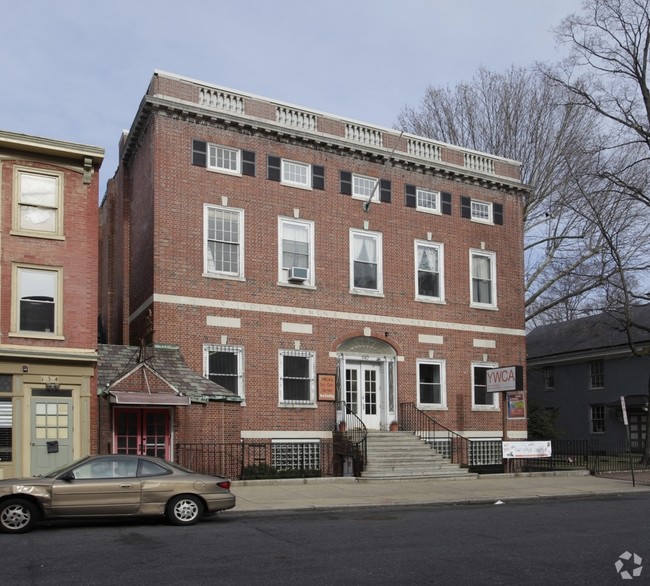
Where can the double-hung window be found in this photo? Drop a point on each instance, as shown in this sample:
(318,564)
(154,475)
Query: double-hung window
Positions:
(429,271)
(37,309)
(298,174)
(366,273)
(481,211)
(296,377)
(223,241)
(597,418)
(483,278)
(596,374)
(296,251)
(428,201)
(431,384)
(38,209)
(224,365)
(549,378)
(224,159)
(363,187)
(481,399)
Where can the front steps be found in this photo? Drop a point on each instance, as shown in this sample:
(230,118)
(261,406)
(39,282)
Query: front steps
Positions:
(401,455)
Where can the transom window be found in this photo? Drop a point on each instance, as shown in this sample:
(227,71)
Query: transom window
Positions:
(296,251)
(294,173)
(38,203)
(223,228)
(224,365)
(483,278)
(366,261)
(38,294)
(363,187)
(296,377)
(428,201)
(429,276)
(224,159)
(481,399)
(431,384)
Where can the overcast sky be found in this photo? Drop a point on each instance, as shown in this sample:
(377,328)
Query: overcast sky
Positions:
(76,70)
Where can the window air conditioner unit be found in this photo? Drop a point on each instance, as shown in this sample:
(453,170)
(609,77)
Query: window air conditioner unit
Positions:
(298,274)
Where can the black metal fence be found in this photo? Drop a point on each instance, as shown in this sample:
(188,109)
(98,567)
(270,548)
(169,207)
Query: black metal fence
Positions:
(255,459)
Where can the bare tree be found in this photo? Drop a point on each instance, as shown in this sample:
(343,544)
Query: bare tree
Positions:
(528,117)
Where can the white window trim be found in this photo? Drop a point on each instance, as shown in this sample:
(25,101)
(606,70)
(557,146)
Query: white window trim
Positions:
(223,274)
(57,234)
(57,334)
(375,193)
(311,356)
(307,166)
(380,270)
(283,273)
(237,350)
(217,169)
(437,211)
(495,396)
(480,220)
(591,419)
(443,385)
(493,279)
(441,266)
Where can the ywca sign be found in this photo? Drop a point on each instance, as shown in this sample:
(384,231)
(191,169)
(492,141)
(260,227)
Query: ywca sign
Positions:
(508,378)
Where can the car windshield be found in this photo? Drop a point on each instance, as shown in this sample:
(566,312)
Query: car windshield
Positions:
(54,473)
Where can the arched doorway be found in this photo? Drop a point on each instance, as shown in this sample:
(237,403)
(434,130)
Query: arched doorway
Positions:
(367,380)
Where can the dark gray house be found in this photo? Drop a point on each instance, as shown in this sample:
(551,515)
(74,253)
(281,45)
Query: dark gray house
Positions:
(580,369)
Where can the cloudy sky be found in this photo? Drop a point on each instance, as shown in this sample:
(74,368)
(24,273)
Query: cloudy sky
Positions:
(76,70)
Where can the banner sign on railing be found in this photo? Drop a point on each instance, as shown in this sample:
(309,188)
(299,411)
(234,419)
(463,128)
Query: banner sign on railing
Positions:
(524,449)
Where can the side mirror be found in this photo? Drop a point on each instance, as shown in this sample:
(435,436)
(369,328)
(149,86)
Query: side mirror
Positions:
(69,475)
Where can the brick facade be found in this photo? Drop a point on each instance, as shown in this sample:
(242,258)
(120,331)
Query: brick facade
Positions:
(153,257)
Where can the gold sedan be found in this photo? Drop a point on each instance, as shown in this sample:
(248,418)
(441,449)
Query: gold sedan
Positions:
(112,486)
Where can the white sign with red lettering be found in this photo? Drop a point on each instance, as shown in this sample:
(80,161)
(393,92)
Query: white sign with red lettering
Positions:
(508,378)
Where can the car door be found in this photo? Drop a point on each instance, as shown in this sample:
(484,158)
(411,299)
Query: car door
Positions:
(104,485)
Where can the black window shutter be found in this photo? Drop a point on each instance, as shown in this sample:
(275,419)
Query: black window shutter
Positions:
(384,191)
(248,163)
(465,207)
(199,153)
(317,177)
(274,168)
(346,183)
(497,212)
(446,203)
(410,196)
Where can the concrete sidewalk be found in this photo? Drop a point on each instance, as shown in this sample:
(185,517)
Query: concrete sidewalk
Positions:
(337,493)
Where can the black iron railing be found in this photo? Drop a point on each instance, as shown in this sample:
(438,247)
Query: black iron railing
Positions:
(447,443)
(350,437)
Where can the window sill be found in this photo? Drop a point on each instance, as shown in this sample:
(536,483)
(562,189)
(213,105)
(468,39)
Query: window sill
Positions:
(43,235)
(431,300)
(307,286)
(35,335)
(431,407)
(297,185)
(488,408)
(366,293)
(224,171)
(297,405)
(484,307)
(225,277)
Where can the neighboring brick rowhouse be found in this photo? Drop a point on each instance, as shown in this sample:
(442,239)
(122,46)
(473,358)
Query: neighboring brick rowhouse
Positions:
(167,182)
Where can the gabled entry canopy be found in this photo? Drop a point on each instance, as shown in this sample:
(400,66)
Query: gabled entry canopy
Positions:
(161,377)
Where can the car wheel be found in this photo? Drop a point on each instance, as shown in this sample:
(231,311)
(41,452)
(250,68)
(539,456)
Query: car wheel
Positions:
(17,516)
(184,509)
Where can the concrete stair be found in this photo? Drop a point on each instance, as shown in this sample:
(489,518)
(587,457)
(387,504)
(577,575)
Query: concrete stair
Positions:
(401,455)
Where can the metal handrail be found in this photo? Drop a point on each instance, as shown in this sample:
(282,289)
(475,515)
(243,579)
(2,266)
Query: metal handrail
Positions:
(352,433)
(448,443)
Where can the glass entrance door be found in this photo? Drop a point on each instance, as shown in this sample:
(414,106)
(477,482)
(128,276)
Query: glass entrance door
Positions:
(142,432)
(363,392)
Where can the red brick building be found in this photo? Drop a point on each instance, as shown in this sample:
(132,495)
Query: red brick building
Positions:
(297,257)
(48,302)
